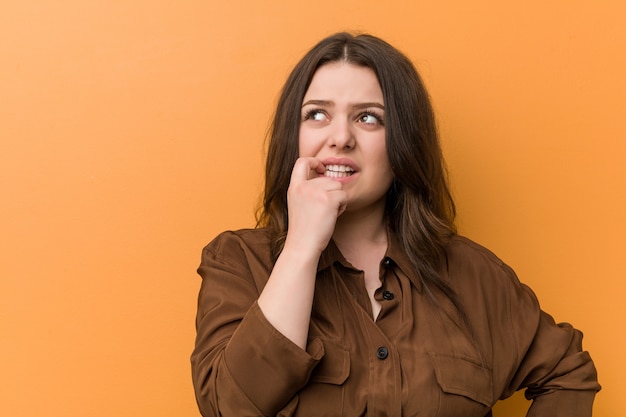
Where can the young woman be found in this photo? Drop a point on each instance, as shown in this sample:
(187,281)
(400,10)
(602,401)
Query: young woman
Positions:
(355,296)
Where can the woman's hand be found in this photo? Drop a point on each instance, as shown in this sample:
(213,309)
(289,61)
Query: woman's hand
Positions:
(314,202)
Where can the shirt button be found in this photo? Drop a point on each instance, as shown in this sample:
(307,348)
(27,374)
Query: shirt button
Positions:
(388,295)
(382,352)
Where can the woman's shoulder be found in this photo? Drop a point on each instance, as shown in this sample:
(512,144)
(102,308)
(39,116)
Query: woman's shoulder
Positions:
(464,247)
(249,235)
(483,280)
(473,259)
(244,252)
(242,240)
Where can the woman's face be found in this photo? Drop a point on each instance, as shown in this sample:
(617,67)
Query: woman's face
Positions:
(343,117)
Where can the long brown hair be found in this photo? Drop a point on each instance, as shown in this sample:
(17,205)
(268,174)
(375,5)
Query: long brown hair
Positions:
(419,207)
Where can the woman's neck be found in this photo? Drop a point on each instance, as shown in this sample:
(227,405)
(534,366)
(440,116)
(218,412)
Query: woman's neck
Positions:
(361,232)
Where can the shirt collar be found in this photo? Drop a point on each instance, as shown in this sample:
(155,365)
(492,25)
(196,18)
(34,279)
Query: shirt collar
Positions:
(395,253)
(330,255)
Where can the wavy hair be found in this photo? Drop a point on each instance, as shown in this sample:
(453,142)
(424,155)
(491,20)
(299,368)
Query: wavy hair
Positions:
(419,206)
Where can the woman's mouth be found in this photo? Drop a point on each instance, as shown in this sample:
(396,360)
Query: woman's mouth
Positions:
(338,171)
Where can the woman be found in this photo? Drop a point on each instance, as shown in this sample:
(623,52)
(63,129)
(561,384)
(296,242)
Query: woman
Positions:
(355,296)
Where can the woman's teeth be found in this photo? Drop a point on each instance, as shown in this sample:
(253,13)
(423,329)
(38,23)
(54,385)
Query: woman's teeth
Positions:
(338,171)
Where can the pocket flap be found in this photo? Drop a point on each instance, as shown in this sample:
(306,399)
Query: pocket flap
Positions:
(334,367)
(463,376)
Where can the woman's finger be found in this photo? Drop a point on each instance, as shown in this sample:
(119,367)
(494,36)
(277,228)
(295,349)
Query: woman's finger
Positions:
(306,169)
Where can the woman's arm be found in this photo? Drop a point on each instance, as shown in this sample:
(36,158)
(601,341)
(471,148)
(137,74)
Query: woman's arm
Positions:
(314,203)
(251,355)
(558,375)
(242,365)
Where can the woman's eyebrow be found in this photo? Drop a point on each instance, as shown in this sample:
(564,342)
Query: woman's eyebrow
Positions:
(370,104)
(318,103)
(327,103)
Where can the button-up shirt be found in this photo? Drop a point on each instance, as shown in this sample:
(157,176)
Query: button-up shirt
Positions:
(419,357)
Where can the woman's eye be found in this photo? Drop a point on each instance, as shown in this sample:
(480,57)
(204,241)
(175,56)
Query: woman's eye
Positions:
(319,116)
(369,119)
(316,115)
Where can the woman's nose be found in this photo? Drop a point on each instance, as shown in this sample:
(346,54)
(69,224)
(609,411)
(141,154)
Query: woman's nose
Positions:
(341,134)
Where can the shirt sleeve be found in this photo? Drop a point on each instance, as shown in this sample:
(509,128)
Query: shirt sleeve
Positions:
(241,365)
(557,374)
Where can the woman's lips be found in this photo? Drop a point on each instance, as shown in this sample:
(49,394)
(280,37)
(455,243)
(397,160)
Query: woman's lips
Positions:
(338,171)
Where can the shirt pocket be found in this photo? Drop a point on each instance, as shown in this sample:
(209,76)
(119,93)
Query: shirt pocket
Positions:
(325,394)
(334,367)
(467,385)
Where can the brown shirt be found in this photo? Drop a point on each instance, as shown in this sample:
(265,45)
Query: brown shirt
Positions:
(416,359)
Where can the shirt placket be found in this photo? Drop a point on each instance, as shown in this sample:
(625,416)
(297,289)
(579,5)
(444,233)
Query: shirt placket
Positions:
(384,396)
(385,376)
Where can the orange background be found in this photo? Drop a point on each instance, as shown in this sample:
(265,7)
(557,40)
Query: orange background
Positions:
(131,132)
